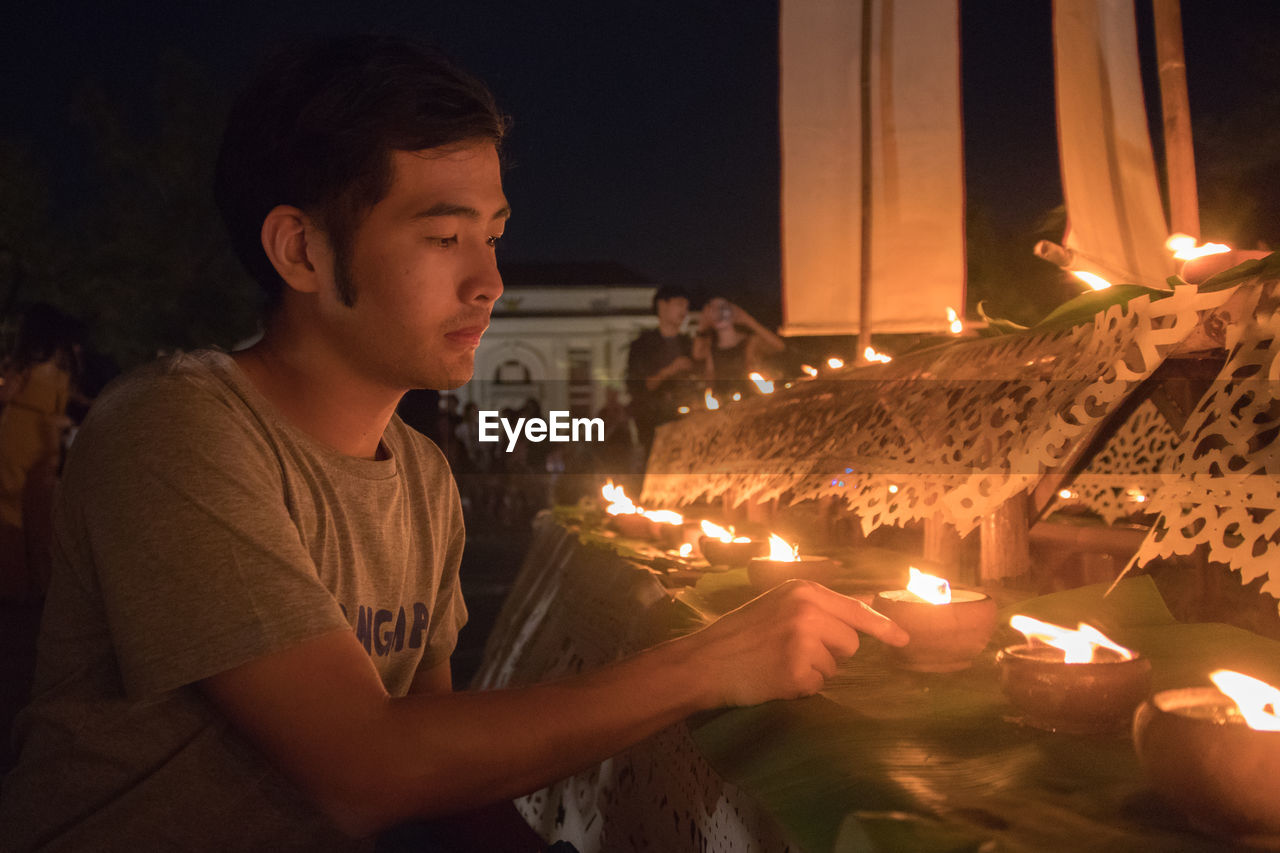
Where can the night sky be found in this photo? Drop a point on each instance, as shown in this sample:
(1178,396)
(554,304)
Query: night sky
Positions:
(644,133)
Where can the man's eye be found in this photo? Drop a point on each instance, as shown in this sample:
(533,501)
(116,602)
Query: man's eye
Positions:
(444,242)
(493,241)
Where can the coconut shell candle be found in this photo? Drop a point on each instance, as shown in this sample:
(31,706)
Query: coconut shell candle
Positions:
(721,546)
(784,562)
(1215,753)
(1072,681)
(948,627)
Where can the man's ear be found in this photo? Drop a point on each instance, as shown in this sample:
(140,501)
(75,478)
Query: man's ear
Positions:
(296,248)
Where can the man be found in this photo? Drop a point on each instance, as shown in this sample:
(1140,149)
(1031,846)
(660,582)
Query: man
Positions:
(246,643)
(657,363)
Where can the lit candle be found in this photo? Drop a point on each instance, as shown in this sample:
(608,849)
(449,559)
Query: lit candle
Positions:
(1215,752)
(948,627)
(1072,680)
(722,546)
(784,562)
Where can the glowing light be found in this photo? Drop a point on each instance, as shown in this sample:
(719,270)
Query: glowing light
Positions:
(1094,280)
(782,551)
(1184,247)
(684,410)
(953,321)
(765,385)
(619,503)
(1066,494)
(835,363)
(737,395)
(1259,702)
(1136,495)
(1079,646)
(930,588)
(663,516)
(809,370)
(686,549)
(715,531)
(712,402)
(893,490)
(870,354)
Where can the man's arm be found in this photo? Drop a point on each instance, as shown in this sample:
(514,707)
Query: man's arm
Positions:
(320,712)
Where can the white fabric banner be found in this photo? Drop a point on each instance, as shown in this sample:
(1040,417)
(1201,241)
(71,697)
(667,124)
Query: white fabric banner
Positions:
(917,204)
(1115,222)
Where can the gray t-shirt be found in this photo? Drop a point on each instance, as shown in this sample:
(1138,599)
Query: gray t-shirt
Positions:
(195,529)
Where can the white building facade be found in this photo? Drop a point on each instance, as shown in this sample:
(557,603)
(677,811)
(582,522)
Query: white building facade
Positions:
(561,338)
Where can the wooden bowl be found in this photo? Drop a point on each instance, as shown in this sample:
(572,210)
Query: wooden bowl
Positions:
(944,637)
(1073,697)
(765,573)
(731,553)
(1198,753)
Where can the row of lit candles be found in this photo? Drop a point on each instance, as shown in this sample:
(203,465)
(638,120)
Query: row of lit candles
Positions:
(1075,680)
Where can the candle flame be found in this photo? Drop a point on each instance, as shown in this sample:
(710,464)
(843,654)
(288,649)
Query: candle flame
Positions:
(712,402)
(619,503)
(686,549)
(1094,280)
(1079,645)
(953,321)
(870,354)
(737,395)
(663,516)
(765,385)
(930,588)
(684,410)
(715,531)
(1184,247)
(782,551)
(1258,701)
(835,363)
(809,370)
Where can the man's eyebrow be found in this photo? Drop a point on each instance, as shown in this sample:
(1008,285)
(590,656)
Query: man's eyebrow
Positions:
(446,208)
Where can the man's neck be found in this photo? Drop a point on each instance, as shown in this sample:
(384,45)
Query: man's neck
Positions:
(668,330)
(327,401)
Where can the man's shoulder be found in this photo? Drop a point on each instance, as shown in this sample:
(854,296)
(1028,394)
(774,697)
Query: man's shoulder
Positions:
(169,386)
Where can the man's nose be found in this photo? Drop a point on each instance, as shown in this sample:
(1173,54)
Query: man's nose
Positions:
(484,285)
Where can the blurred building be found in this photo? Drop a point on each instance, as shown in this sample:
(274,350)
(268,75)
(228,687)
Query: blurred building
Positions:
(559,335)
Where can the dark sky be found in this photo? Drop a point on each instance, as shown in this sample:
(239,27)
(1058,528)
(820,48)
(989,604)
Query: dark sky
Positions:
(645,133)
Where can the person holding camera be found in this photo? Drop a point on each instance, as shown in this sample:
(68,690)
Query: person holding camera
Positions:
(731,344)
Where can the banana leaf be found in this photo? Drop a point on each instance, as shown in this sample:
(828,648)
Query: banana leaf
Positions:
(1268,267)
(1082,308)
(889,760)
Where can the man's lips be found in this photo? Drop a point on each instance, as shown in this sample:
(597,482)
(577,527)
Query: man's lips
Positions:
(469,336)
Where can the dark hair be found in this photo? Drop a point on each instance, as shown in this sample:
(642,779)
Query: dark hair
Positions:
(668,292)
(316,128)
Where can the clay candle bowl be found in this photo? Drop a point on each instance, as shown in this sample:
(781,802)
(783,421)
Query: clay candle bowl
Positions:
(668,526)
(785,563)
(948,628)
(722,547)
(634,525)
(1080,682)
(1201,752)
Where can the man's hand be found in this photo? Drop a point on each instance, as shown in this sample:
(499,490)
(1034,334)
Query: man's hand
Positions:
(783,644)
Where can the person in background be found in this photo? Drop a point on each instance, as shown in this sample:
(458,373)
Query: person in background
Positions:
(36,389)
(730,344)
(659,364)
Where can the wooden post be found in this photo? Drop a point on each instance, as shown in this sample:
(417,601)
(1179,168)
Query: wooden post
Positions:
(1006,547)
(864,256)
(1179,154)
(941,544)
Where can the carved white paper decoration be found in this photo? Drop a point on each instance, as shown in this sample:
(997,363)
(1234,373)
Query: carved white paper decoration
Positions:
(1227,496)
(953,432)
(1125,475)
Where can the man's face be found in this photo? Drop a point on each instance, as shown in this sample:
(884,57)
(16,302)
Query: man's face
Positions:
(673,311)
(423,269)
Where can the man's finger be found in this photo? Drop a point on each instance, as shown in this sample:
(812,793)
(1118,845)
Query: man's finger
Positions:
(862,617)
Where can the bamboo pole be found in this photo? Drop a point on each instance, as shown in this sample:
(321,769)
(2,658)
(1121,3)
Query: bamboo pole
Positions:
(864,256)
(1175,107)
